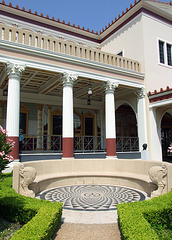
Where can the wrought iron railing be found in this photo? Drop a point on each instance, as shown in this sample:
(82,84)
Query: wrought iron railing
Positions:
(81,143)
(127,144)
(89,144)
(42,143)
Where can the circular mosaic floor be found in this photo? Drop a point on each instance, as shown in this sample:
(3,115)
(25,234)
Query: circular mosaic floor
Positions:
(92,197)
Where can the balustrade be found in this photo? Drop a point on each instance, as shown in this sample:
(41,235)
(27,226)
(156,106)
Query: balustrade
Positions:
(38,40)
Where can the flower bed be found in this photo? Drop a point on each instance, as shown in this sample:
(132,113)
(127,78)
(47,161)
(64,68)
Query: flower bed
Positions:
(6,146)
(40,218)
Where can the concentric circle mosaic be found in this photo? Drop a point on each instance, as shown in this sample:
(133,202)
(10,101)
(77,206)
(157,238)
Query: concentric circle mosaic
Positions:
(92,197)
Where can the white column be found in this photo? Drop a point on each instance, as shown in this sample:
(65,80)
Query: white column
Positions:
(110,119)
(68,132)
(141,118)
(14,72)
(156,148)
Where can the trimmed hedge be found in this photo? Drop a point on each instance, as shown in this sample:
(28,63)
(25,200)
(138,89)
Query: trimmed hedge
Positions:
(40,217)
(135,218)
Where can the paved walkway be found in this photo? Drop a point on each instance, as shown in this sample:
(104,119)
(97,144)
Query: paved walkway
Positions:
(70,231)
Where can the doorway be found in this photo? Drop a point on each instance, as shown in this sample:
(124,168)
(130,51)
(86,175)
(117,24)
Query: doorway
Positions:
(166,137)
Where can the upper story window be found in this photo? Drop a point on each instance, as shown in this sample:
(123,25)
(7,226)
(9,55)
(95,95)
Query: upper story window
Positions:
(165,53)
(169,57)
(120,53)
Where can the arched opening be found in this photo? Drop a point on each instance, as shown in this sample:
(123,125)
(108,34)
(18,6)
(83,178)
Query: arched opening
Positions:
(126,129)
(166,137)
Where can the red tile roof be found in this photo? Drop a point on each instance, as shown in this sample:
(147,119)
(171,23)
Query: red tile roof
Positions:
(160,95)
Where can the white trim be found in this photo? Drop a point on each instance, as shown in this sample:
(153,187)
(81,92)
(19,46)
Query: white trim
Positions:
(160,103)
(156,19)
(81,73)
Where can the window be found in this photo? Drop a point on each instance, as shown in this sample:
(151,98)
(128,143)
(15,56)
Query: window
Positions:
(165,53)
(57,125)
(169,58)
(23,120)
(161,51)
(120,53)
(89,126)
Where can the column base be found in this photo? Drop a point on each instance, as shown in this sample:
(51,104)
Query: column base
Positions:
(67,148)
(111,147)
(15,149)
(112,157)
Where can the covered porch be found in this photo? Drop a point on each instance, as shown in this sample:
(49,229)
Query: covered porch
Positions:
(99,105)
(67,102)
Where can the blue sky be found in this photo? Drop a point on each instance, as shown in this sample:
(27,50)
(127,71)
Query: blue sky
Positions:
(92,14)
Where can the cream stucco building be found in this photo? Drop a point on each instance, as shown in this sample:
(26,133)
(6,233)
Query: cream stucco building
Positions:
(77,92)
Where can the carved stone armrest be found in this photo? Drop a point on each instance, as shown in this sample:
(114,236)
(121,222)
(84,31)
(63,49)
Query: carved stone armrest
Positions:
(158,175)
(27,176)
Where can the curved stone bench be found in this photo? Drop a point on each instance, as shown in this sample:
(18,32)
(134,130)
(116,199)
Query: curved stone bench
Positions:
(63,172)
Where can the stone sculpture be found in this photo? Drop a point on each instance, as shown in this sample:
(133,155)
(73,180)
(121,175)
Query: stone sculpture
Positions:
(27,176)
(158,176)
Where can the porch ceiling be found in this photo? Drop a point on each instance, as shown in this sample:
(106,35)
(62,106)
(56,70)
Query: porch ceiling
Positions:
(49,83)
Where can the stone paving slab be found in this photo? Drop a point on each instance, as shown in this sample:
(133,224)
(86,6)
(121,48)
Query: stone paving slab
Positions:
(70,231)
(86,217)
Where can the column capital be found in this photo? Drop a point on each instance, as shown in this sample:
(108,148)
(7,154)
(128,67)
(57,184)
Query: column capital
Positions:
(15,70)
(140,93)
(68,78)
(110,86)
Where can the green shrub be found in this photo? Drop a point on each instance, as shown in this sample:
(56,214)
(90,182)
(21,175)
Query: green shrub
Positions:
(161,222)
(136,218)
(40,217)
